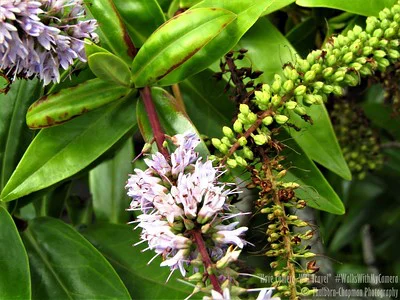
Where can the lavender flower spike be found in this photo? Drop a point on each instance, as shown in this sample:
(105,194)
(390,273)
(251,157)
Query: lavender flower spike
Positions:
(37,38)
(179,197)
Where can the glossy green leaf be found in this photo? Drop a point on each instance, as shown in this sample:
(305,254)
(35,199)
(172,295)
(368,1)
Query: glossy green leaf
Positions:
(206,103)
(14,134)
(277,5)
(107,186)
(191,41)
(319,141)
(361,7)
(141,18)
(176,45)
(71,102)
(52,203)
(381,116)
(15,281)
(172,119)
(64,265)
(111,68)
(142,280)
(314,188)
(59,152)
(112,31)
(80,211)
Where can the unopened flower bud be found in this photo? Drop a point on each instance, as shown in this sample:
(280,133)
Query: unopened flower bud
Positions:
(292,185)
(383,63)
(348,57)
(281,119)
(309,76)
(248,153)
(288,85)
(389,33)
(378,33)
(216,142)
(238,126)
(318,85)
(195,277)
(327,89)
(260,139)
(352,79)
(232,163)
(304,65)
(226,141)
(393,54)
(309,99)
(379,53)
(300,90)
(244,109)
(291,105)
(267,120)
(241,161)
(301,111)
(276,85)
(242,141)
(228,132)
(276,100)
(327,72)
(331,60)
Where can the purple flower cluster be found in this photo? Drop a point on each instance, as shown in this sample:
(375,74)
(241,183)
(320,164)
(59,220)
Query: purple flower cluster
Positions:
(178,196)
(39,37)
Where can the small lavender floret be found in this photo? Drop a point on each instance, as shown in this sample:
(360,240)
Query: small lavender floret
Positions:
(37,38)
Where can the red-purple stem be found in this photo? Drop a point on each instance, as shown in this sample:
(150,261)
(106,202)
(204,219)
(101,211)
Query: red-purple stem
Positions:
(159,135)
(198,238)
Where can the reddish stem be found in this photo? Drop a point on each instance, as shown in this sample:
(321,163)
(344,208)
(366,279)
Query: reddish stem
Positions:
(206,259)
(159,135)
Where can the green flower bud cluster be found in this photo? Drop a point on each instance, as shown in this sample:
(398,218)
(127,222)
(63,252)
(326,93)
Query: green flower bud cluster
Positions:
(276,197)
(360,145)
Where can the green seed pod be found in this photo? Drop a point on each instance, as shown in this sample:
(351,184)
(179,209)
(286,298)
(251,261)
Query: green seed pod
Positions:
(228,132)
(300,90)
(309,76)
(244,109)
(241,161)
(348,58)
(238,126)
(232,163)
(267,120)
(290,105)
(242,141)
(288,85)
(327,72)
(281,119)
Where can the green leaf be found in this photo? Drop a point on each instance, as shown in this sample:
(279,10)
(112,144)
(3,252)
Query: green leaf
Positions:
(15,281)
(319,140)
(14,134)
(360,7)
(60,107)
(381,116)
(109,67)
(64,265)
(107,185)
(314,188)
(206,103)
(142,280)
(112,31)
(191,41)
(59,152)
(52,203)
(177,44)
(141,18)
(172,119)
(277,5)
